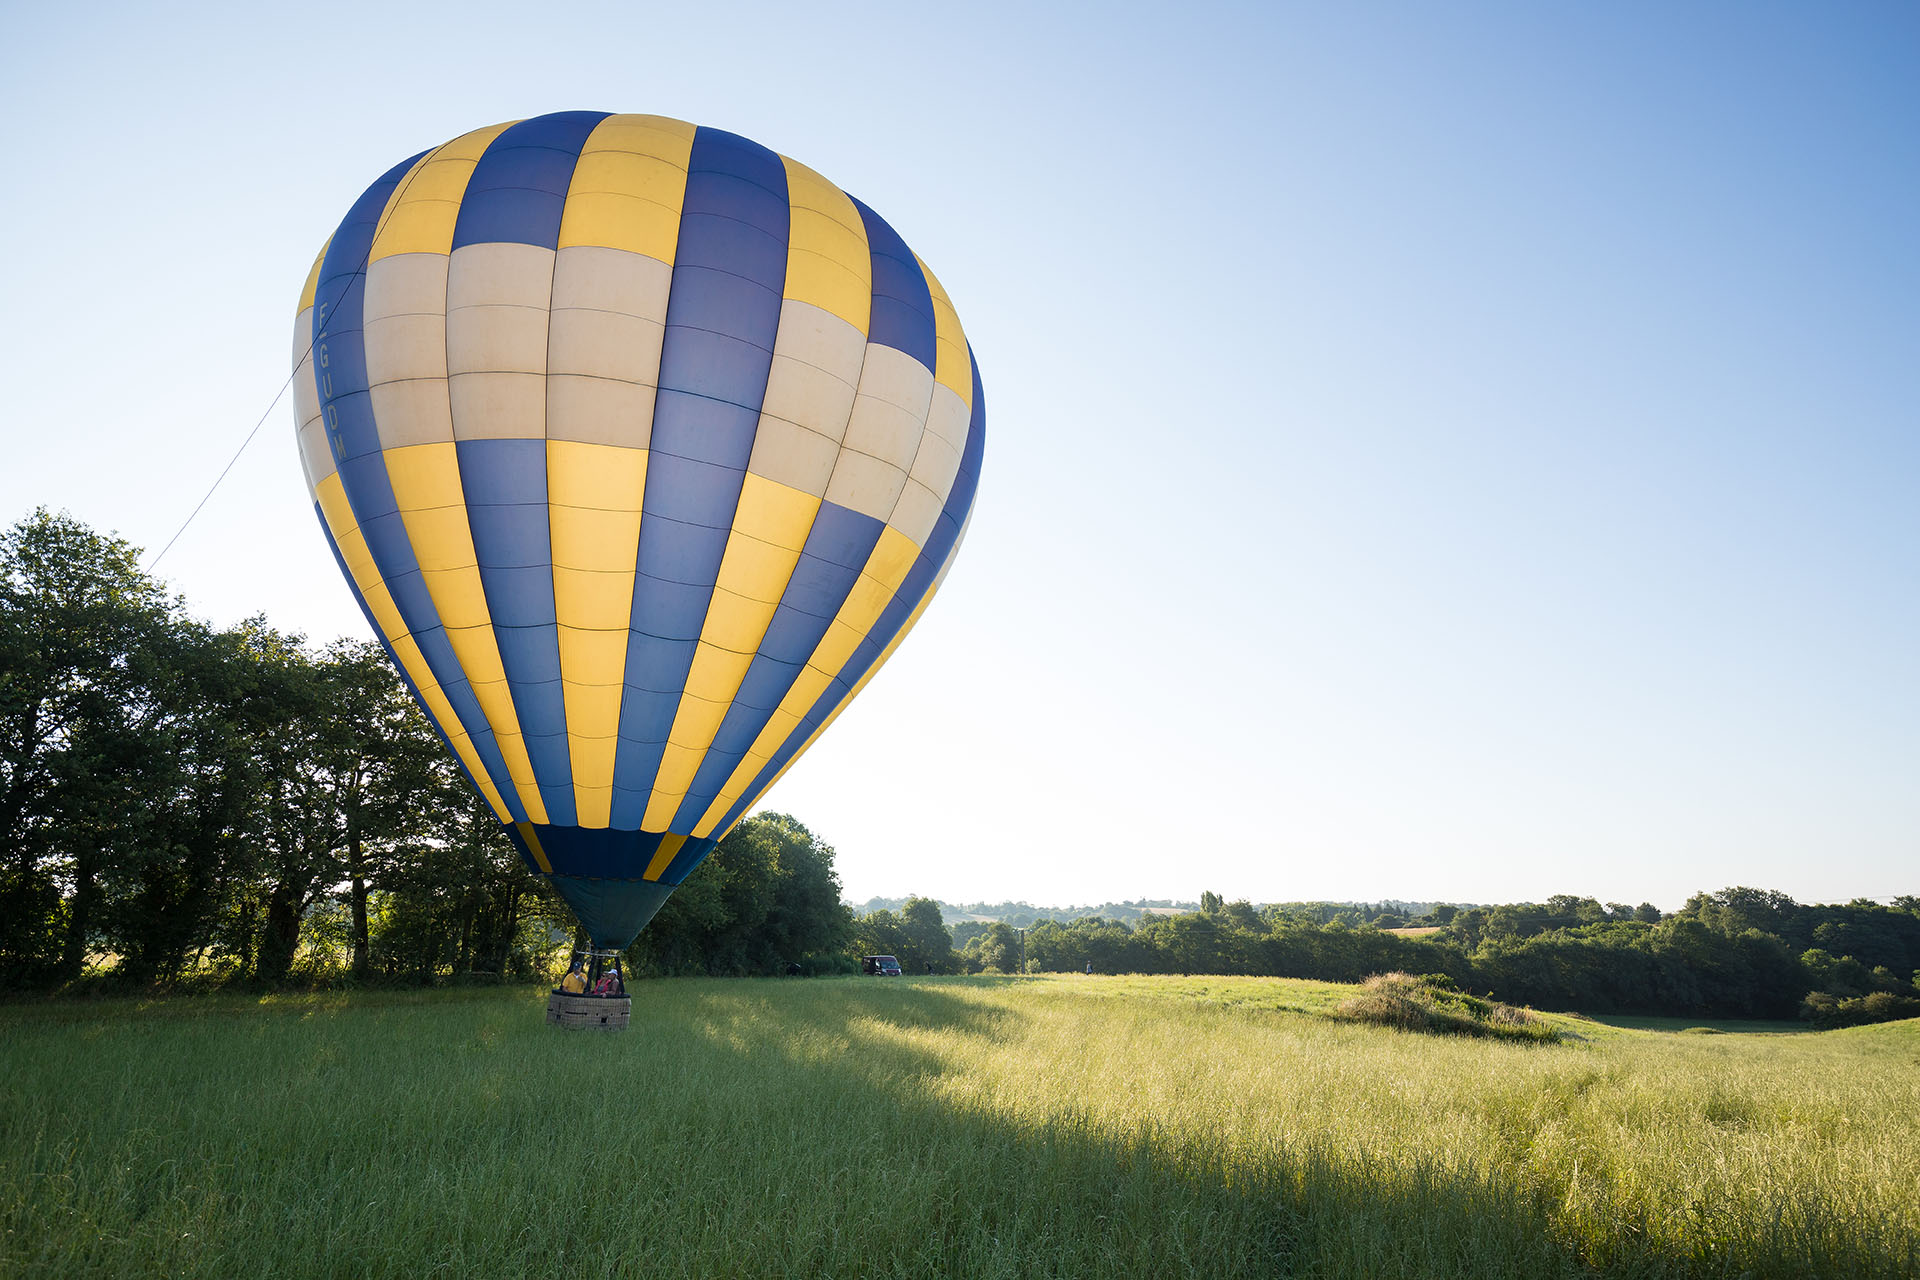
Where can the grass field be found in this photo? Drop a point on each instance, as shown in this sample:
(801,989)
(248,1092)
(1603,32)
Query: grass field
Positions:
(977,1127)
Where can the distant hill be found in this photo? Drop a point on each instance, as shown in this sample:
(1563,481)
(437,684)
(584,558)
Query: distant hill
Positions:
(1390,912)
(1022,915)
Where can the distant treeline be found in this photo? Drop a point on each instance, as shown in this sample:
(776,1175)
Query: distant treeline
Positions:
(1739,953)
(181,803)
(1023,915)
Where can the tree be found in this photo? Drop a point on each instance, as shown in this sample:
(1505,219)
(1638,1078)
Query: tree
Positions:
(77,617)
(765,898)
(929,947)
(997,949)
(807,918)
(388,775)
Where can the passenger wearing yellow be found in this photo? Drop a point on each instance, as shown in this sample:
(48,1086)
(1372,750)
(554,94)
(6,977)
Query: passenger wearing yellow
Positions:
(575,983)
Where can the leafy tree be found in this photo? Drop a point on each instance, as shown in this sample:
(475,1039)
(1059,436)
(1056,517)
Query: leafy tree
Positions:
(997,949)
(765,898)
(929,945)
(77,620)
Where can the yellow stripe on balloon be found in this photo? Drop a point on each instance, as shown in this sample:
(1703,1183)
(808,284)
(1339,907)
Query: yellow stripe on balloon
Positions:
(421,213)
(953,365)
(770,528)
(532,838)
(595,493)
(629,186)
(312,286)
(432,503)
(828,261)
(879,579)
(335,510)
(663,856)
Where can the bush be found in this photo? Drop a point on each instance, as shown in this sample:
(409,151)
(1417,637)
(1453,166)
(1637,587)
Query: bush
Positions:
(1827,1010)
(1434,1006)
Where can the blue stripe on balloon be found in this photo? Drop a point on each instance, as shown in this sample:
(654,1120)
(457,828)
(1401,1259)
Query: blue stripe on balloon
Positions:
(597,852)
(836,550)
(608,853)
(902,304)
(913,589)
(723,311)
(518,190)
(339,359)
(505,486)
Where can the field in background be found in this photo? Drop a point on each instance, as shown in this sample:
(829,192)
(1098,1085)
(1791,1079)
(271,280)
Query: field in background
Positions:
(966,1127)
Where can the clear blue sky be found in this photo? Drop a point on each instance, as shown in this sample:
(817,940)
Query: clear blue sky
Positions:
(1433,451)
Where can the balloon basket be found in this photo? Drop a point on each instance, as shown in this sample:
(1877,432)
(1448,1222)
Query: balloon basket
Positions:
(589,1013)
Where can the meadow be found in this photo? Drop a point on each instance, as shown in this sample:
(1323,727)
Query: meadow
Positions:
(966,1127)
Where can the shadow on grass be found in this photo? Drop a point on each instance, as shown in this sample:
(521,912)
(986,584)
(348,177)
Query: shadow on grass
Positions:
(934,1187)
(824,1128)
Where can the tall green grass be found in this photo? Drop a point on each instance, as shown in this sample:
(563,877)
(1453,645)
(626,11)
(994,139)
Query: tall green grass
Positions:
(940,1127)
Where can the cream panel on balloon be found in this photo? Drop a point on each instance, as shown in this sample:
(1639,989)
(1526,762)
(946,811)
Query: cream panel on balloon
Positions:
(497,299)
(947,417)
(811,387)
(916,511)
(316,456)
(607,324)
(890,412)
(935,466)
(406,345)
(883,433)
(865,484)
(404,284)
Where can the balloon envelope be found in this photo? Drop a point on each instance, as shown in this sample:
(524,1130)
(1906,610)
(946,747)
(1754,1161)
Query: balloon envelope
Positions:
(641,447)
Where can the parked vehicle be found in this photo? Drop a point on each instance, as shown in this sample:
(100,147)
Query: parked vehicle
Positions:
(880,966)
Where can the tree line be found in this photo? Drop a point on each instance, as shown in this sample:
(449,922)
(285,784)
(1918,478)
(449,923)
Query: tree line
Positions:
(1738,953)
(185,803)
(1024,915)
(180,802)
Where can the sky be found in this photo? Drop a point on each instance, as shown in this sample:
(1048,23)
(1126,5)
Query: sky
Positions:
(1460,452)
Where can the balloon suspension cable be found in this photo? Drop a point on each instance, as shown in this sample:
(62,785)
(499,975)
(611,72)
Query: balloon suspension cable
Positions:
(358,271)
(223,471)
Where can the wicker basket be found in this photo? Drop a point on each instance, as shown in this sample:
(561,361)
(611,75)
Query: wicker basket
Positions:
(589,1013)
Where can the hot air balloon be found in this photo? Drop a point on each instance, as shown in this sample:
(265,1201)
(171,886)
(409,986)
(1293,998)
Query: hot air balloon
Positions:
(641,447)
